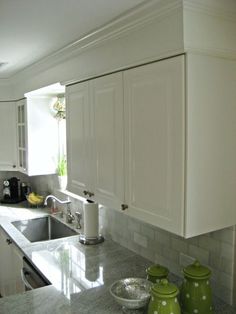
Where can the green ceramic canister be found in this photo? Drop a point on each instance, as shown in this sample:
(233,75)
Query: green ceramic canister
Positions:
(156,272)
(195,292)
(164,298)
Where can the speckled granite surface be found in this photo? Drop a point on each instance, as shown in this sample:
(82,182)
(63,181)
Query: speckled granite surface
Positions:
(80,275)
(44,300)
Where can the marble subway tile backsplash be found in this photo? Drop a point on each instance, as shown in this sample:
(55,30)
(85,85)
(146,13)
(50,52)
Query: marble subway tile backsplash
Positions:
(215,249)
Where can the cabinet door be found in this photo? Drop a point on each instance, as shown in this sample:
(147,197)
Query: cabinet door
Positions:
(8,133)
(42,136)
(10,265)
(154,139)
(21,126)
(78,138)
(106,98)
(17,258)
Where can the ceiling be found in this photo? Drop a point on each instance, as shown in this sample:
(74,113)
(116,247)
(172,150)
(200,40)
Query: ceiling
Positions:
(30,30)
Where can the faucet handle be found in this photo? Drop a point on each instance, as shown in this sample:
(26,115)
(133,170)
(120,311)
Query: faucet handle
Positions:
(78,218)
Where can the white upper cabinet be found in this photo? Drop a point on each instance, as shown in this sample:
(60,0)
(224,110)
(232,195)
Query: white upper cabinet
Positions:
(154,137)
(21,127)
(107,139)
(8,136)
(179,154)
(181,150)
(37,136)
(95,139)
(77,115)
(211,144)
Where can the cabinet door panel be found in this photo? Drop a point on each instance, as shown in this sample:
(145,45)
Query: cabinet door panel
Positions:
(42,134)
(37,133)
(78,137)
(154,121)
(8,133)
(22,146)
(107,139)
(211,149)
(10,265)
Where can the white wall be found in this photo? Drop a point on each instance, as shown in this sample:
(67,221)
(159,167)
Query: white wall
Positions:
(146,38)
(6,90)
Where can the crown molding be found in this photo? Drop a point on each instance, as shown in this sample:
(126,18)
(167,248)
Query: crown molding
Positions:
(218,17)
(216,8)
(133,20)
(229,54)
(5,81)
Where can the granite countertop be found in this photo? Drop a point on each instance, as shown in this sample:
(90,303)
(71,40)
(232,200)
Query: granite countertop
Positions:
(80,275)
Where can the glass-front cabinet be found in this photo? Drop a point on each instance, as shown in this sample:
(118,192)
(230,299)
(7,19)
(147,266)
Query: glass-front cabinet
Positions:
(21,127)
(8,136)
(37,131)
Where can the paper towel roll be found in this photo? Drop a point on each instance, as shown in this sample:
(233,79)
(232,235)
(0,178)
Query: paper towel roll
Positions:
(90,220)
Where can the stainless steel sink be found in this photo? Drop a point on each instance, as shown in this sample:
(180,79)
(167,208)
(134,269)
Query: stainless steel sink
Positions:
(43,229)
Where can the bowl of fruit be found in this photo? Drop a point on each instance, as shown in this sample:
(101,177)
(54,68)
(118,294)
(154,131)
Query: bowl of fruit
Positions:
(34,199)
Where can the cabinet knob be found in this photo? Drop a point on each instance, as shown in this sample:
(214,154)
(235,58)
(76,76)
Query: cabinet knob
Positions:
(14,166)
(85,192)
(124,206)
(9,241)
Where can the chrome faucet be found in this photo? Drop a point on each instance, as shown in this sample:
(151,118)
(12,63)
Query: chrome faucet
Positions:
(68,201)
(69,216)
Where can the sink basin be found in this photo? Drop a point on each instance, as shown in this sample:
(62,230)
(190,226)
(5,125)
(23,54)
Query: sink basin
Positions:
(43,229)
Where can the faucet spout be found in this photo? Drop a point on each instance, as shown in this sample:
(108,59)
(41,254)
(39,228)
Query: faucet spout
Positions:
(68,201)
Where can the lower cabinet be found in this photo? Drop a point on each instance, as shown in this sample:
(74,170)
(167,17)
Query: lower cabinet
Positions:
(11,263)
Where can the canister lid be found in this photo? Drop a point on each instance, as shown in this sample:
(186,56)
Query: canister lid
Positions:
(165,289)
(196,270)
(157,271)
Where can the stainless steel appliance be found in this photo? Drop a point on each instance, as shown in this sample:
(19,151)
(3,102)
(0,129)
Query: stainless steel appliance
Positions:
(31,278)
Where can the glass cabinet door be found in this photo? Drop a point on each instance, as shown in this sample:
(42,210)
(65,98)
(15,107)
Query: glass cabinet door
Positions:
(21,134)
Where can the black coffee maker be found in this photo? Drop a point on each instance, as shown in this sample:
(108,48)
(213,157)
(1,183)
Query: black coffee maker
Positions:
(12,191)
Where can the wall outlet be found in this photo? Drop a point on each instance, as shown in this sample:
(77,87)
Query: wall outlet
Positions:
(185,260)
